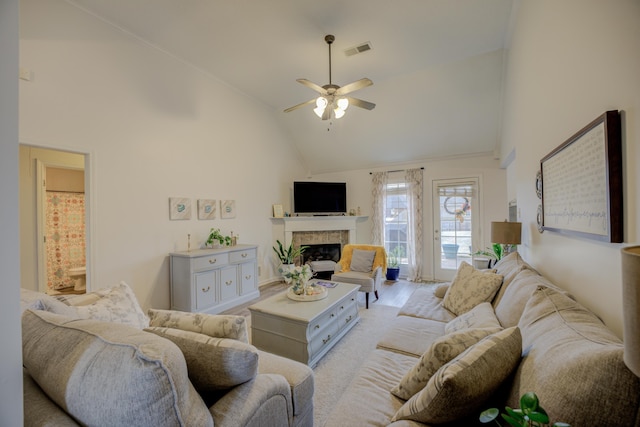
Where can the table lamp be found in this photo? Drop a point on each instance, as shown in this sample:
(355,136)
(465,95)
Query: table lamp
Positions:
(630,306)
(507,234)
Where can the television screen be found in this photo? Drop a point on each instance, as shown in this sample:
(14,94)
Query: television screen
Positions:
(319,197)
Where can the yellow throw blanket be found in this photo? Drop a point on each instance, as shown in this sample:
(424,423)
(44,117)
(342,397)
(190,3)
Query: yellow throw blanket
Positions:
(380,260)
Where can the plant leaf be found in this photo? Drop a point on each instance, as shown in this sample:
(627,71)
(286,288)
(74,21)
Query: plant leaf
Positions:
(538,417)
(489,415)
(515,422)
(529,402)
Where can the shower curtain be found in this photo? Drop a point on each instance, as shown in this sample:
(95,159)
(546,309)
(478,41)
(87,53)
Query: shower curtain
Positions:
(65,237)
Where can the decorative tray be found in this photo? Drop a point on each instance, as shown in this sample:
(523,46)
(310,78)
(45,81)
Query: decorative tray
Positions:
(317,293)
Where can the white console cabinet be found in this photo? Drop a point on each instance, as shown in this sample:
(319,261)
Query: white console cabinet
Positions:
(214,280)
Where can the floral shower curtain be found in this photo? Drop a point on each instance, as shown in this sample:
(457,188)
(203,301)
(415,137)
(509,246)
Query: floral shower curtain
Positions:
(65,237)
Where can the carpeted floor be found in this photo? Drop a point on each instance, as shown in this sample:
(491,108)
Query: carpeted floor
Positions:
(335,371)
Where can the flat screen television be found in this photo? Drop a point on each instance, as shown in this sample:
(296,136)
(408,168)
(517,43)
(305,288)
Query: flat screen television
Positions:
(319,198)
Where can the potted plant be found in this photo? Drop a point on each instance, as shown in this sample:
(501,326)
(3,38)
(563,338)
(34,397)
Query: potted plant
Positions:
(215,236)
(495,252)
(288,256)
(530,414)
(393,262)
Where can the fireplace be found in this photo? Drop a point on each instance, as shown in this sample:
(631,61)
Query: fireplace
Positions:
(322,252)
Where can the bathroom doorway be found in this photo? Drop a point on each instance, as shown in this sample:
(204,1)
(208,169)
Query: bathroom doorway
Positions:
(57,220)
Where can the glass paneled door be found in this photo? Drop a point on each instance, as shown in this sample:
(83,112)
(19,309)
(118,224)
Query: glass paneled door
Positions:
(455,225)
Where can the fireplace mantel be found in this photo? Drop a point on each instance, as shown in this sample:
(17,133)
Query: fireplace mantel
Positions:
(320,223)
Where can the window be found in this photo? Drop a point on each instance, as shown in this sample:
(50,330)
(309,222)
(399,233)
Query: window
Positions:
(396,215)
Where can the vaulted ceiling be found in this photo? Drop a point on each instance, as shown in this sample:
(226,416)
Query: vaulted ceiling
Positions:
(437,68)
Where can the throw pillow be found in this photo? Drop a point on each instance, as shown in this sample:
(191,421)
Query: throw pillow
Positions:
(362,261)
(480,316)
(213,325)
(109,373)
(460,387)
(441,290)
(119,305)
(469,288)
(443,350)
(213,363)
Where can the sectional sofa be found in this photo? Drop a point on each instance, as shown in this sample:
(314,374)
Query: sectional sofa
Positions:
(483,341)
(98,360)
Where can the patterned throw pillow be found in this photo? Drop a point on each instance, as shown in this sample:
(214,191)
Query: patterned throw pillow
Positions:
(469,288)
(213,325)
(213,363)
(480,316)
(443,350)
(118,304)
(362,261)
(460,388)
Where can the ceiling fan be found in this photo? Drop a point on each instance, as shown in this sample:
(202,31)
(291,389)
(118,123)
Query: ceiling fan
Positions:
(332,100)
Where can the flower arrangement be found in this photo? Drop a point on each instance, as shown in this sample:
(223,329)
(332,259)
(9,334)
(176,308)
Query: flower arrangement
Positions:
(298,277)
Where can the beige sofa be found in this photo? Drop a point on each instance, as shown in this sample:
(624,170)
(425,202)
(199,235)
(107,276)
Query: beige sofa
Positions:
(565,354)
(99,360)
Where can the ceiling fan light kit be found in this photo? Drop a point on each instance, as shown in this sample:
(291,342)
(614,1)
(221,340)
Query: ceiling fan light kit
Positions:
(332,101)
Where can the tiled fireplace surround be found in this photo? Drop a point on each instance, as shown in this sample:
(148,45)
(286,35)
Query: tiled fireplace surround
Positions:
(320,230)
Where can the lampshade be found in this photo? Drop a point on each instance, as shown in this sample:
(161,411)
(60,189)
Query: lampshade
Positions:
(507,233)
(630,307)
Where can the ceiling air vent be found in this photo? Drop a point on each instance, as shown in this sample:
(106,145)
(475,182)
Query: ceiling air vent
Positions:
(361,48)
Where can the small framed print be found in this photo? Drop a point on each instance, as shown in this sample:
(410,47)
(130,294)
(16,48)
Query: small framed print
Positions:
(206,209)
(278,212)
(227,209)
(179,208)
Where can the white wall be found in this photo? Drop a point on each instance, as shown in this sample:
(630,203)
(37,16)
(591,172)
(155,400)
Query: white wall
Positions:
(153,128)
(493,198)
(10,350)
(569,62)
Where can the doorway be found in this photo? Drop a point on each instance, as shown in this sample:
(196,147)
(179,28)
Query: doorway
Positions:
(54,212)
(455,224)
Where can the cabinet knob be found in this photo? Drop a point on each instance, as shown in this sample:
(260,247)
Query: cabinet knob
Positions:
(247,277)
(317,327)
(342,307)
(348,319)
(212,261)
(228,282)
(327,340)
(332,315)
(207,289)
(244,255)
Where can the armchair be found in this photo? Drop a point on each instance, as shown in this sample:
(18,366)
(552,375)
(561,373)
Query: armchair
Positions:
(364,265)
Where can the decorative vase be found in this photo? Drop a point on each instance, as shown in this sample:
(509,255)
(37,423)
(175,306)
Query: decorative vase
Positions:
(299,287)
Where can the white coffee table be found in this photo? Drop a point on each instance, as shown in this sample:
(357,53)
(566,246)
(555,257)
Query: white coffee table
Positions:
(304,330)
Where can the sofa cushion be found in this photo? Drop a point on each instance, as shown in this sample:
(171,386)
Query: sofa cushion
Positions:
(367,401)
(574,363)
(442,351)
(40,301)
(469,288)
(117,304)
(462,386)
(516,295)
(441,290)
(424,304)
(411,335)
(213,363)
(480,316)
(362,260)
(213,325)
(98,371)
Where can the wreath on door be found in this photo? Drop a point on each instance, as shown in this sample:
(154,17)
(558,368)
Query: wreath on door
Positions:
(458,213)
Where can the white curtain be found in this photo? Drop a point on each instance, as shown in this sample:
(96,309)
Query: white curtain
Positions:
(413,179)
(379,180)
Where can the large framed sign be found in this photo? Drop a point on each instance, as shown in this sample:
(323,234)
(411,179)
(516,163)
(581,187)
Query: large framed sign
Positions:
(582,182)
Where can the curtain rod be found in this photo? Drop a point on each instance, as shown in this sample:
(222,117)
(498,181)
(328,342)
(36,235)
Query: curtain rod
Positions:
(397,170)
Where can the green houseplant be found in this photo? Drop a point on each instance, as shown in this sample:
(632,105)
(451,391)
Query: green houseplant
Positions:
(288,255)
(530,414)
(393,262)
(216,236)
(495,252)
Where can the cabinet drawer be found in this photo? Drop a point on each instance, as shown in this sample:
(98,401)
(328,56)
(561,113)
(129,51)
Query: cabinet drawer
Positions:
(323,325)
(211,261)
(248,282)
(240,256)
(325,337)
(347,315)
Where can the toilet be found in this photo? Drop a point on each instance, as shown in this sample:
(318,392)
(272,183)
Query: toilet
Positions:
(79,276)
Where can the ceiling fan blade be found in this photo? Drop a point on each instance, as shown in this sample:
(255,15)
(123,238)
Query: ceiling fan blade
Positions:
(360,103)
(358,84)
(312,85)
(311,101)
